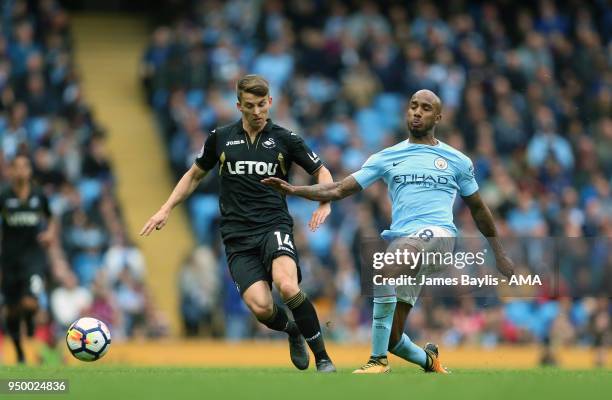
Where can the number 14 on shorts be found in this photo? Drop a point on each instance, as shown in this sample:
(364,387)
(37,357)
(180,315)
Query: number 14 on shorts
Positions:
(283,241)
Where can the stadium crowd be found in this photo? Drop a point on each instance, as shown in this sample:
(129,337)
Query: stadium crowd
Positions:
(527,94)
(94,269)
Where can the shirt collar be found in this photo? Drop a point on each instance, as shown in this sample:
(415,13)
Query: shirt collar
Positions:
(268,125)
(266,128)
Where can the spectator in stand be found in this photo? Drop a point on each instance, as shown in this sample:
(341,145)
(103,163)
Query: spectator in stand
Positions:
(200,286)
(69,301)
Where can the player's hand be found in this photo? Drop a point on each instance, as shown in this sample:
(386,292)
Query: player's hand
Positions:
(157,221)
(279,185)
(319,216)
(504,265)
(45,239)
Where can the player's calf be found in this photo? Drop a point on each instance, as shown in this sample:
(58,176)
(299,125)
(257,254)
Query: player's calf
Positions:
(259,300)
(13,320)
(306,319)
(399,343)
(285,277)
(279,321)
(406,349)
(29,307)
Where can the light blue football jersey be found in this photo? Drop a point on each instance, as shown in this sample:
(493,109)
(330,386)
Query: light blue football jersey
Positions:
(423,182)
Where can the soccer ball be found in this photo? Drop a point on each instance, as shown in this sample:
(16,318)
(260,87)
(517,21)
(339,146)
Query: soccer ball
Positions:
(88,339)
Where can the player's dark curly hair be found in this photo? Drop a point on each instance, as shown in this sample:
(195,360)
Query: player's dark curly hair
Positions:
(254,84)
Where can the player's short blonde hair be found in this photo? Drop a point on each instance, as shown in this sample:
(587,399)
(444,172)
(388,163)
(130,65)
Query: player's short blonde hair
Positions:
(254,84)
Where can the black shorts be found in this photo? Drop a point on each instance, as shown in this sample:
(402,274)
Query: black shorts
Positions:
(250,258)
(23,276)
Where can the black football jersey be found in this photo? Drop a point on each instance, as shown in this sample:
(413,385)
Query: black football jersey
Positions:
(22,221)
(247,206)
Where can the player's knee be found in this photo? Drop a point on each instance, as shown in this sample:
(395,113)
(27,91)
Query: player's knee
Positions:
(287,288)
(29,304)
(261,309)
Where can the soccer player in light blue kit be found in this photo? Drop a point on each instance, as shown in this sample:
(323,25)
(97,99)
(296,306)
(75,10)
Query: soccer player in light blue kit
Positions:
(423,176)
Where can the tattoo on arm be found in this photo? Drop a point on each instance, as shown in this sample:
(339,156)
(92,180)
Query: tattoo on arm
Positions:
(329,191)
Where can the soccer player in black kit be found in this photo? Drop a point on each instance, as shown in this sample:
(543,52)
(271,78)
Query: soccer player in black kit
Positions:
(255,224)
(24,211)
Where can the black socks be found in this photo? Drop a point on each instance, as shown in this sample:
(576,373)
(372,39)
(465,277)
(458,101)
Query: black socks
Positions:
(28,317)
(308,322)
(12,327)
(280,322)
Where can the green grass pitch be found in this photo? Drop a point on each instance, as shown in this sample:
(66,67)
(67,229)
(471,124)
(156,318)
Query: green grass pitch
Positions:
(91,381)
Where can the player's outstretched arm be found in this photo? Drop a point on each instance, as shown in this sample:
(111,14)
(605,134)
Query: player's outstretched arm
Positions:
(185,186)
(484,221)
(320,192)
(322,212)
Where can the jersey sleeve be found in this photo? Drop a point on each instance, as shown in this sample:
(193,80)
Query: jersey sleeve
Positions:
(207,158)
(370,171)
(467,178)
(302,155)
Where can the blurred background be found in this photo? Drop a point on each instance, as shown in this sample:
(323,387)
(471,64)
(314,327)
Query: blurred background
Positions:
(112,100)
